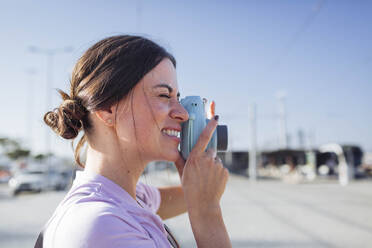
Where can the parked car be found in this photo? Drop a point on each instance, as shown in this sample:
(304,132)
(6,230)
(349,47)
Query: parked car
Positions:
(5,176)
(28,181)
(57,180)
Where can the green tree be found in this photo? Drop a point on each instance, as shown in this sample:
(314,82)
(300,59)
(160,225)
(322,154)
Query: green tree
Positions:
(8,144)
(12,148)
(18,153)
(40,157)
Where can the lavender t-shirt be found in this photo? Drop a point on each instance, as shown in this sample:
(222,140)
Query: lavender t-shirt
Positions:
(96,212)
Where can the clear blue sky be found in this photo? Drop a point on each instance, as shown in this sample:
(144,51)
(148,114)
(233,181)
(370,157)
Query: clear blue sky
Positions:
(236,52)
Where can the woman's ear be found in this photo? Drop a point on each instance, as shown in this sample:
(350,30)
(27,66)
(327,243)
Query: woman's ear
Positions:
(107,116)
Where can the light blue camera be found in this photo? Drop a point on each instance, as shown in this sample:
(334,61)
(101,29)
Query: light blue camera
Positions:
(192,128)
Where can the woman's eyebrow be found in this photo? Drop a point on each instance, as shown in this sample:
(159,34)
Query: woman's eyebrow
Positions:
(165,86)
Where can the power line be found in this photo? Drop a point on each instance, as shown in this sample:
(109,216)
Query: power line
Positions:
(300,31)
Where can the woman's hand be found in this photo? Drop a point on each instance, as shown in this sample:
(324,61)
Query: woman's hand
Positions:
(204,178)
(180,162)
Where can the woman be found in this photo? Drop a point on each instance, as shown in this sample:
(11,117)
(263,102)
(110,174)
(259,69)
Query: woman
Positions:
(124,98)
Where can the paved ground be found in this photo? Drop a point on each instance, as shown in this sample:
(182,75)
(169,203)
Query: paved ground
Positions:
(274,214)
(266,214)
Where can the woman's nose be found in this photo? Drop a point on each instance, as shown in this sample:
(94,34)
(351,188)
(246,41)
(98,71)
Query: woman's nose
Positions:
(180,113)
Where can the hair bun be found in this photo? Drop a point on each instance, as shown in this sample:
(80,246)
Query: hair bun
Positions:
(67,120)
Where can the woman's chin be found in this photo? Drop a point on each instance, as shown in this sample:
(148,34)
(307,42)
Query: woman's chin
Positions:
(171,156)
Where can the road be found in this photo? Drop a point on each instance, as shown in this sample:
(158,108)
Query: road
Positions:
(268,214)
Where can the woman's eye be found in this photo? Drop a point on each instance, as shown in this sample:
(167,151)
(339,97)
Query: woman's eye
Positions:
(163,95)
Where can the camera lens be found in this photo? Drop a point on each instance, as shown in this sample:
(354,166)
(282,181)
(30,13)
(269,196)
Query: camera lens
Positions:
(222,138)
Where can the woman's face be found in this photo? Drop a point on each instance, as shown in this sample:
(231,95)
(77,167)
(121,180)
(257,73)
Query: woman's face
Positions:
(150,116)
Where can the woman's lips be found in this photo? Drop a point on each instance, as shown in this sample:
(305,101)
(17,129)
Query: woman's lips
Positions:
(174,138)
(172,133)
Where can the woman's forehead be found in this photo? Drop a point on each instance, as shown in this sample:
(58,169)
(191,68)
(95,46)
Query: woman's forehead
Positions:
(162,76)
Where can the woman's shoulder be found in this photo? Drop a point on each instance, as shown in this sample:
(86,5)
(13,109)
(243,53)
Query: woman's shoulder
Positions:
(92,220)
(100,225)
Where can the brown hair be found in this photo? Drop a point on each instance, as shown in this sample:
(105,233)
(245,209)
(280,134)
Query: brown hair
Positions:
(106,73)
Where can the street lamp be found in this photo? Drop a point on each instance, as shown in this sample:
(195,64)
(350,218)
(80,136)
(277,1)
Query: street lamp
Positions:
(31,72)
(283,136)
(49,53)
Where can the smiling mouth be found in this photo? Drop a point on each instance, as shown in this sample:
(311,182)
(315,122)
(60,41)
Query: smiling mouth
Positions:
(171,132)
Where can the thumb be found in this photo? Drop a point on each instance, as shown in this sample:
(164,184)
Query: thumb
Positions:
(180,162)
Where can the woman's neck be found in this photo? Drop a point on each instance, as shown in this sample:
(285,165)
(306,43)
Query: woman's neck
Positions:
(110,163)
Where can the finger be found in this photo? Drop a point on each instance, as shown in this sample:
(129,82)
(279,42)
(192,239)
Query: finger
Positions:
(180,162)
(211,153)
(218,160)
(218,163)
(205,136)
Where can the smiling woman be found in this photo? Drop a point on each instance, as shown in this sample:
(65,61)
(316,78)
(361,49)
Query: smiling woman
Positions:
(124,97)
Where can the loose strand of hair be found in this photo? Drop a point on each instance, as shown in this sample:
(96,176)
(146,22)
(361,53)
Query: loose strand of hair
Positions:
(149,105)
(78,150)
(135,133)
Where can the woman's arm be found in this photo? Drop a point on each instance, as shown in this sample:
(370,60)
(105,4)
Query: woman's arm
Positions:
(172,197)
(209,228)
(172,202)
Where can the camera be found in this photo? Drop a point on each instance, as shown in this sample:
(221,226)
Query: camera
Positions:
(197,121)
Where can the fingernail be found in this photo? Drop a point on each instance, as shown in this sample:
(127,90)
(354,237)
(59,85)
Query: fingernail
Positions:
(216,117)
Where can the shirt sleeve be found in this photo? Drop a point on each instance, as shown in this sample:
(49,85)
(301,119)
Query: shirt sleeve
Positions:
(150,195)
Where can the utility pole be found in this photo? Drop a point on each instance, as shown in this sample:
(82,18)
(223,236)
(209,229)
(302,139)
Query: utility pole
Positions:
(301,140)
(283,136)
(29,105)
(252,166)
(49,53)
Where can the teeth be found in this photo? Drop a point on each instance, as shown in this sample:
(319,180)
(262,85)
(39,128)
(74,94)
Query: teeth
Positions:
(171,132)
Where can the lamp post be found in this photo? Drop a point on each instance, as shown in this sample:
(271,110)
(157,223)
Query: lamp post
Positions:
(283,136)
(49,53)
(29,105)
(252,168)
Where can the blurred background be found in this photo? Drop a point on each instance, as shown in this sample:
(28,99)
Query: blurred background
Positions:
(291,80)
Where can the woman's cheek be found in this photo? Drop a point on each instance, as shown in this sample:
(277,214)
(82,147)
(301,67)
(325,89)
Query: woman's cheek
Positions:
(160,112)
